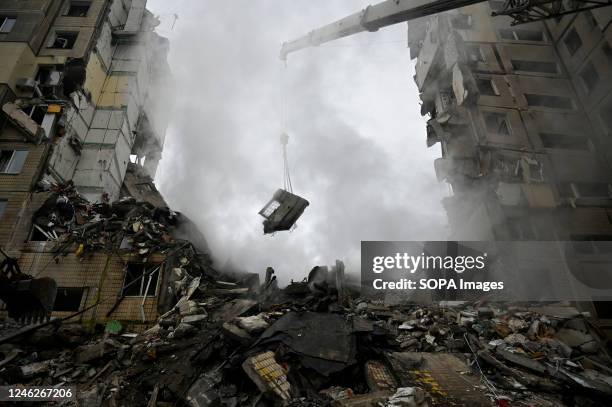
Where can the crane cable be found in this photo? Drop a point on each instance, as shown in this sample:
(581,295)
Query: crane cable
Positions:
(284,138)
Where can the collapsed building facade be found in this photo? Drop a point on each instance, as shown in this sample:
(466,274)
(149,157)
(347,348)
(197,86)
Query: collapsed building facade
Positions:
(522,115)
(77,90)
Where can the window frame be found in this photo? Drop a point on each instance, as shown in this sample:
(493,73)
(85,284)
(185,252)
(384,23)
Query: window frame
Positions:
(83,291)
(504,117)
(3,206)
(566,41)
(516,35)
(544,135)
(516,66)
(585,83)
(491,82)
(11,161)
(533,103)
(77,3)
(146,267)
(56,36)
(3,23)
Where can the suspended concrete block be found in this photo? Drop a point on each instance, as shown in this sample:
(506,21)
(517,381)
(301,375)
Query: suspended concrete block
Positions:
(282,211)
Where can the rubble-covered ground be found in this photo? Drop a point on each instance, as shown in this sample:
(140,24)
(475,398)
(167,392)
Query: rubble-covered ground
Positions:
(228,344)
(228,340)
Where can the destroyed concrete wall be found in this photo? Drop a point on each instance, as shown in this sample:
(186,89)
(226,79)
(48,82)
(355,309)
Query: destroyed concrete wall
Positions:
(20,167)
(140,185)
(519,115)
(101,131)
(519,97)
(300,348)
(101,278)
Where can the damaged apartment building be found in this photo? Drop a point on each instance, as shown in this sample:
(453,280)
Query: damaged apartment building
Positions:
(81,129)
(523,117)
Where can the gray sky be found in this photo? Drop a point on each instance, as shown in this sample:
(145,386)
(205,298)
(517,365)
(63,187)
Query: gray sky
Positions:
(357,141)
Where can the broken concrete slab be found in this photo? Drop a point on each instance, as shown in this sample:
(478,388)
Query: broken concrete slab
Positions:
(17,116)
(324,342)
(203,392)
(237,334)
(363,400)
(378,376)
(573,338)
(194,319)
(520,360)
(233,309)
(253,324)
(407,397)
(444,376)
(268,375)
(89,352)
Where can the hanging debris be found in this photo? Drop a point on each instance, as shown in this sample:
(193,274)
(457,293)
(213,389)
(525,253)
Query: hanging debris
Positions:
(282,211)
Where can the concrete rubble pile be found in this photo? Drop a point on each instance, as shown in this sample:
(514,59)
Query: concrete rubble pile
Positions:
(231,341)
(68,219)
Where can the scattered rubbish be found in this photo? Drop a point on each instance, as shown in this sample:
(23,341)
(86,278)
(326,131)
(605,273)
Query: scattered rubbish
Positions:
(228,342)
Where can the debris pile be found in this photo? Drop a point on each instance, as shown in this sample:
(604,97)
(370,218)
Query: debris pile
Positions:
(230,342)
(68,219)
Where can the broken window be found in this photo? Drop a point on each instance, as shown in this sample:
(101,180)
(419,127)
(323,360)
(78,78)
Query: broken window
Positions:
(7,24)
(78,8)
(556,102)
(48,76)
(515,34)
(12,161)
(474,53)
(572,41)
(564,141)
(68,299)
(36,235)
(487,87)
(496,123)
(534,66)
(139,276)
(589,76)
(462,22)
(64,40)
(269,209)
(36,113)
(592,189)
(3,203)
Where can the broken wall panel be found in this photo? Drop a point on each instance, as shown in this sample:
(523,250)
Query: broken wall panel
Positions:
(101,276)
